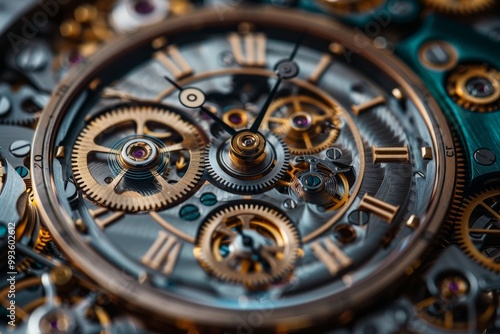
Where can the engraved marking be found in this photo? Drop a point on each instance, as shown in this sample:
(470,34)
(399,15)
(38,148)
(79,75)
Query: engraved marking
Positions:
(255,49)
(174,62)
(105,221)
(163,253)
(390,154)
(427,153)
(379,208)
(331,255)
(357,109)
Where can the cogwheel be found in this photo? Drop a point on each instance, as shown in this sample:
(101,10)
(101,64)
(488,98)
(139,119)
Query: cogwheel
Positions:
(461,7)
(345,7)
(250,244)
(21,107)
(305,124)
(478,228)
(247,178)
(475,87)
(138,158)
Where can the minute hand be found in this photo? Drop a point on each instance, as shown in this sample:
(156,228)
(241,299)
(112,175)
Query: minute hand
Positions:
(285,69)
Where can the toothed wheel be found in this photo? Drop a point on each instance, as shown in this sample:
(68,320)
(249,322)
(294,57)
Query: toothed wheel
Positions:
(249,244)
(478,228)
(138,158)
(475,87)
(305,124)
(227,175)
(21,107)
(459,6)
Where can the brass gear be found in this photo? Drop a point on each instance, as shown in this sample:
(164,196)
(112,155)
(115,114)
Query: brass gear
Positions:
(461,7)
(130,173)
(475,87)
(226,241)
(305,124)
(480,213)
(344,7)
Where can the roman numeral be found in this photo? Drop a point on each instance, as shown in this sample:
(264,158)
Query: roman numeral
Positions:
(174,62)
(379,208)
(254,52)
(103,216)
(331,255)
(390,154)
(163,254)
(358,109)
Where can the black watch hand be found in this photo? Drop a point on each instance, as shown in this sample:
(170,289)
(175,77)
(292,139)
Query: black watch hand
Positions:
(285,69)
(193,98)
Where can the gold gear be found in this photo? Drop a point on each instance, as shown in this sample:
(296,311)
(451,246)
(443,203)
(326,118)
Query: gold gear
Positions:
(487,81)
(482,209)
(305,124)
(344,7)
(225,245)
(459,7)
(157,136)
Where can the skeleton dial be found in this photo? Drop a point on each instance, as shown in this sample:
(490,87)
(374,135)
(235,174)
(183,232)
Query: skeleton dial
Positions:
(232,164)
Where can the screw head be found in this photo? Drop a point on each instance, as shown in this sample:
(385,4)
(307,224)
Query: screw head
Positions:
(485,157)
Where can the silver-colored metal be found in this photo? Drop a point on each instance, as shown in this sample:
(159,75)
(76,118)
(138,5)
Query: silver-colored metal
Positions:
(5,104)
(32,58)
(20,148)
(11,203)
(228,178)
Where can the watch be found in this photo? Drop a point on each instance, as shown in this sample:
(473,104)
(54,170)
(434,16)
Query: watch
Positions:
(251,168)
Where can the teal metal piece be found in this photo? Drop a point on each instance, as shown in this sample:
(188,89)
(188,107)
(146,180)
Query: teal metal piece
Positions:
(476,130)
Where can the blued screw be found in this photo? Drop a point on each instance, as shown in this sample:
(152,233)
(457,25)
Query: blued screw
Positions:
(22,171)
(485,157)
(189,212)
(208,199)
(20,148)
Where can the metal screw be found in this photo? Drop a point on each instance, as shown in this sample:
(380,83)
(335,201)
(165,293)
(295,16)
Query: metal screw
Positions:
(22,171)
(20,148)
(189,212)
(208,199)
(437,55)
(485,157)
(289,204)
(333,153)
(358,217)
(33,58)
(5,105)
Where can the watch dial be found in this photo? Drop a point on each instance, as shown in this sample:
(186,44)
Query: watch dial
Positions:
(263,162)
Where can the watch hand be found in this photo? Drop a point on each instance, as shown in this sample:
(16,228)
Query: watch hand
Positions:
(191,97)
(285,69)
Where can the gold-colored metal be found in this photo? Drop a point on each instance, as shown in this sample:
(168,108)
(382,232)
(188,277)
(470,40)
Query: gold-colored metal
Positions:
(235,228)
(306,124)
(459,80)
(379,208)
(254,52)
(140,120)
(398,94)
(345,7)
(94,84)
(469,227)
(461,7)
(60,152)
(163,253)
(376,101)
(427,153)
(174,62)
(322,66)
(247,149)
(331,255)
(413,222)
(61,275)
(450,52)
(236,118)
(390,154)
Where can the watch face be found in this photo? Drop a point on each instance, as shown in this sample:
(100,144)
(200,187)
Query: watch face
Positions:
(261,162)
